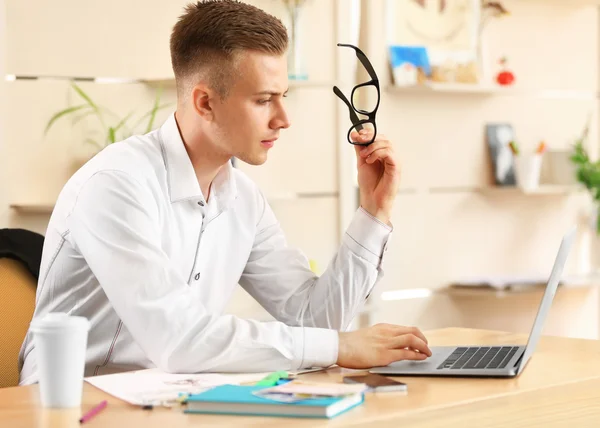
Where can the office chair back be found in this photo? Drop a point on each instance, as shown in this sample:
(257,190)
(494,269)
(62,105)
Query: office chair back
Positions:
(17,301)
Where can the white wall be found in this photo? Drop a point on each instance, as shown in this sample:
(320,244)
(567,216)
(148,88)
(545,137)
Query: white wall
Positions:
(111,39)
(444,228)
(3,176)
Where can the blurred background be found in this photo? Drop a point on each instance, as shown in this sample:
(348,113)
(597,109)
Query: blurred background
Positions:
(492,108)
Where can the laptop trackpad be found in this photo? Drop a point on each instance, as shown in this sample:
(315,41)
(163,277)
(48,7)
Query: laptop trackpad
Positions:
(439,354)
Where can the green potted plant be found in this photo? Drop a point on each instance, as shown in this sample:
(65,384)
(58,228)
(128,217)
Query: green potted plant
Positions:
(114,128)
(588,172)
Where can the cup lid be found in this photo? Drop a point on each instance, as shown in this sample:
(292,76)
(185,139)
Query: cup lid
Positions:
(59,321)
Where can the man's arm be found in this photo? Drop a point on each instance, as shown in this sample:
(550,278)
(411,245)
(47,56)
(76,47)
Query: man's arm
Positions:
(279,278)
(114,225)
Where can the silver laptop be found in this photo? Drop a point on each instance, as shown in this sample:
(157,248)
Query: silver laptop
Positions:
(493,360)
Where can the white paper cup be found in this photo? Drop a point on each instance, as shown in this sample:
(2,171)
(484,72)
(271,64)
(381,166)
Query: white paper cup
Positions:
(527,171)
(60,344)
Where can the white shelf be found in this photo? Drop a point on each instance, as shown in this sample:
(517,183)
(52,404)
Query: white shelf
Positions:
(292,83)
(33,208)
(568,3)
(545,189)
(285,196)
(40,208)
(490,89)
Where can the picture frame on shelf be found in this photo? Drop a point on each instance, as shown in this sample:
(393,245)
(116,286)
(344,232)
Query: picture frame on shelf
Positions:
(448,29)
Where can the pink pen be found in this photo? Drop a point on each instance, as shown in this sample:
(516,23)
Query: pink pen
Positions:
(93,412)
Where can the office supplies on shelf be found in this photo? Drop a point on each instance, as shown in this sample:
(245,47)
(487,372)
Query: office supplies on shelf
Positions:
(93,412)
(244,400)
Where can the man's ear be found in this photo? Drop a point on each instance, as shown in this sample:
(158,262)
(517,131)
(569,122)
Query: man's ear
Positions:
(202,99)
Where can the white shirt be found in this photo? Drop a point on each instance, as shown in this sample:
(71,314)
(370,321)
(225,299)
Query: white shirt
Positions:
(133,246)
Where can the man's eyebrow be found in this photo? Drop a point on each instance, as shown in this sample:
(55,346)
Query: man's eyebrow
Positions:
(275,93)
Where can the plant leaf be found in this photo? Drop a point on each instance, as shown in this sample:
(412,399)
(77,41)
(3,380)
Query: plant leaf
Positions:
(61,114)
(83,116)
(111,135)
(85,96)
(123,121)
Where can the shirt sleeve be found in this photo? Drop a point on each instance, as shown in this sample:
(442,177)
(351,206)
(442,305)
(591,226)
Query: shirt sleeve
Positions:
(115,226)
(278,276)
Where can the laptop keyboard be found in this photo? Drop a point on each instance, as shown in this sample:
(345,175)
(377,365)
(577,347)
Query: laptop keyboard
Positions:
(495,357)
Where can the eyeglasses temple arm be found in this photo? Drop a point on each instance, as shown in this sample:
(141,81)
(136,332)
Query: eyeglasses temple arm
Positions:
(353,117)
(363,59)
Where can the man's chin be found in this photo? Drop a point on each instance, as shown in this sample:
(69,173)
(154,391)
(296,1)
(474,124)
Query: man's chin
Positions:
(254,160)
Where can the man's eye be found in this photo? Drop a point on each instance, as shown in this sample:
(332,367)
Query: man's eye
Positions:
(264,101)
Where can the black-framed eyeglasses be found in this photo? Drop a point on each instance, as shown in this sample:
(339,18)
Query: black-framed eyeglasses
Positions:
(361,93)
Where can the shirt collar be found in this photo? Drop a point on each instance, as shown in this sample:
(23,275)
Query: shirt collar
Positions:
(181,177)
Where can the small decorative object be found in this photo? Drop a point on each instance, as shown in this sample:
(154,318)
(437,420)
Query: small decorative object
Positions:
(410,65)
(454,70)
(296,66)
(502,149)
(505,77)
(490,10)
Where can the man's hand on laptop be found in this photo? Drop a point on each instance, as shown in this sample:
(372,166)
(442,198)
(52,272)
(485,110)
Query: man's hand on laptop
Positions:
(381,345)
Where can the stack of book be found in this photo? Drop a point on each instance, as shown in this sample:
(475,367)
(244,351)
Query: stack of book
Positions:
(294,399)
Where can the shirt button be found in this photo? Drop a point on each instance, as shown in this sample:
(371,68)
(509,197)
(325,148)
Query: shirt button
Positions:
(197,277)
(201,203)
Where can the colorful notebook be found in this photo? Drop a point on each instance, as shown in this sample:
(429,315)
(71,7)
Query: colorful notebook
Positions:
(240,400)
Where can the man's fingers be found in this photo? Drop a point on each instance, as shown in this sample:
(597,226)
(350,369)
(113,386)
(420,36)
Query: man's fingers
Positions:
(406,354)
(383,154)
(411,341)
(400,330)
(380,142)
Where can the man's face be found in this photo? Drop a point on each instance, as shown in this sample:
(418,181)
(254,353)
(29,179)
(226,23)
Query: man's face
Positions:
(247,122)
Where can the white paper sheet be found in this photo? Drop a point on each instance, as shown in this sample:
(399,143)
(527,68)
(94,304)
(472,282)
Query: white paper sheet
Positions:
(153,386)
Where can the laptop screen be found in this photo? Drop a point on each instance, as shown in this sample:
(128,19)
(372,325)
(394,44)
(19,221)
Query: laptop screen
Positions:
(555,276)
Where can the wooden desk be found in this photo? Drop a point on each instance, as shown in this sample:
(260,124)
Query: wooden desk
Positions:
(559,386)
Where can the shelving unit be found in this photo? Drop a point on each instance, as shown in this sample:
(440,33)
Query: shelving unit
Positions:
(32,208)
(47,208)
(544,189)
(292,83)
(569,3)
(491,89)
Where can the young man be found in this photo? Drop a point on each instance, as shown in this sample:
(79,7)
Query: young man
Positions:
(150,238)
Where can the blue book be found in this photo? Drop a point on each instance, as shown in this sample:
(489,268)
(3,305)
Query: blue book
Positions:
(239,400)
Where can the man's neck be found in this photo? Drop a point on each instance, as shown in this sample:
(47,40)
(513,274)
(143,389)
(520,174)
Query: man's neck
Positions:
(206,162)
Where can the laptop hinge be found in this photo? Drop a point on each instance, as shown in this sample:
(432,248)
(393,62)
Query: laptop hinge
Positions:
(518,362)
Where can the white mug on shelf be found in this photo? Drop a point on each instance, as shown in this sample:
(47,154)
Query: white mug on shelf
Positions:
(527,170)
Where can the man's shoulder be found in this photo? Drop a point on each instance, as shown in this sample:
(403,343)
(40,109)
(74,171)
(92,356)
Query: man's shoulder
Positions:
(136,159)
(139,157)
